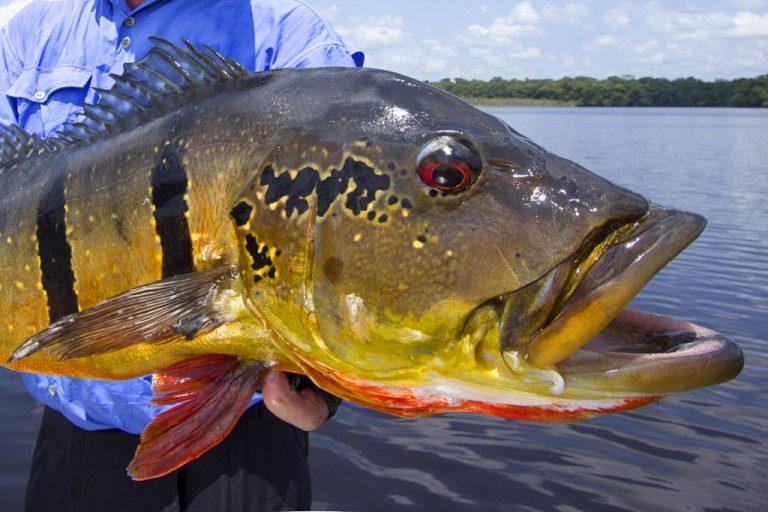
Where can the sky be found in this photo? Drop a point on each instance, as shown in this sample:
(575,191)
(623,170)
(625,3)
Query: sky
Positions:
(434,39)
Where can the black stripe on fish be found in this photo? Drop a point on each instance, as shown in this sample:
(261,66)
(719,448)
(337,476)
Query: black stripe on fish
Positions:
(58,279)
(170,184)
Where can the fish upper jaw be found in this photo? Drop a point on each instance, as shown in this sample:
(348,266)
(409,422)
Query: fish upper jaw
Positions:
(606,279)
(569,329)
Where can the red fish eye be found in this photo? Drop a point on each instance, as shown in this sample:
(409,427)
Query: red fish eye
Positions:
(453,176)
(448,164)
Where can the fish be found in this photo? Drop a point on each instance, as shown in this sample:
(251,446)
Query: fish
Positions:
(402,249)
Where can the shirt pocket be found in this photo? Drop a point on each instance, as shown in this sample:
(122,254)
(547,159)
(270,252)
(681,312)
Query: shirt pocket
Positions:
(45,100)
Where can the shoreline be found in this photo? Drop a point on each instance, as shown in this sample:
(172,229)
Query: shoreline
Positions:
(516,102)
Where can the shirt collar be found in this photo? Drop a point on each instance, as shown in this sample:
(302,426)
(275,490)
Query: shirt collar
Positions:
(122,6)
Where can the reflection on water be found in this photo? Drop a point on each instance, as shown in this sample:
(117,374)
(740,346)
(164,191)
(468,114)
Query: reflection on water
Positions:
(703,450)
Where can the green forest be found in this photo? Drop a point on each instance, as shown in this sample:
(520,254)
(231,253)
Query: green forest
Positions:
(613,92)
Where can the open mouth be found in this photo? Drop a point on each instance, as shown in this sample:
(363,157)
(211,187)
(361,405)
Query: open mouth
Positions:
(572,320)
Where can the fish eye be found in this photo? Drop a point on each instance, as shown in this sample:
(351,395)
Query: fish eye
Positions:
(447,164)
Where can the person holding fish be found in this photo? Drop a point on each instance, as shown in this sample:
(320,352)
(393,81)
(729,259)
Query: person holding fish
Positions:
(53,58)
(207,225)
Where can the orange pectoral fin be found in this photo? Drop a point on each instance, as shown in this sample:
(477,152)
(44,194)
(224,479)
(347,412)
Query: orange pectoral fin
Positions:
(210,394)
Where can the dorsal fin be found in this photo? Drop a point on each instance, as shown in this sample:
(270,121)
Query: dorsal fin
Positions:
(147,89)
(16,145)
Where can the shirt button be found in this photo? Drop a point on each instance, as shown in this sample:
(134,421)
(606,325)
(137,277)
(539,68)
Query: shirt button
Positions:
(126,42)
(39,95)
(130,21)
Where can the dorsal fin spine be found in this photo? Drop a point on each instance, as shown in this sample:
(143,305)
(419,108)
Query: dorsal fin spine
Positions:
(151,86)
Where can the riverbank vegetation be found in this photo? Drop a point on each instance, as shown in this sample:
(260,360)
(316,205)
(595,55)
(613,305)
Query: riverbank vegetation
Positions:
(614,91)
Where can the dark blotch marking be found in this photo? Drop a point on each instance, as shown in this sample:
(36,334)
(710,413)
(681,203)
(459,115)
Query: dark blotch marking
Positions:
(260,258)
(384,217)
(55,253)
(329,189)
(332,269)
(120,229)
(241,213)
(391,166)
(169,184)
(392,200)
(371,215)
(406,203)
(368,183)
(278,186)
(422,239)
(302,187)
(307,181)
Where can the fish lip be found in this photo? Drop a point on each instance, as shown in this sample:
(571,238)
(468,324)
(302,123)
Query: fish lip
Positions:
(581,296)
(625,357)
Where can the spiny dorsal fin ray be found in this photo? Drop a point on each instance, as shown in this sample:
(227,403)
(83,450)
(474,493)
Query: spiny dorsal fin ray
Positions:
(16,145)
(147,88)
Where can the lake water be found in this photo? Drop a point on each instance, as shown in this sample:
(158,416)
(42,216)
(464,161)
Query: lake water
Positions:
(702,450)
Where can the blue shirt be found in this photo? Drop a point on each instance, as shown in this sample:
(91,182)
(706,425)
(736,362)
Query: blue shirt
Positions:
(54,52)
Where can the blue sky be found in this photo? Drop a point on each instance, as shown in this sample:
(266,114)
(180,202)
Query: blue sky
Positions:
(433,39)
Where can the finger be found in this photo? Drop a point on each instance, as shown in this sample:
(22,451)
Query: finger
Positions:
(303,409)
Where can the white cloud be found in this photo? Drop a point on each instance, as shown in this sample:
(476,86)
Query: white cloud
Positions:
(376,32)
(689,25)
(8,11)
(571,13)
(747,24)
(605,41)
(523,12)
(618,18)
(750,4)
(710,40)
(521,21)
(499,33)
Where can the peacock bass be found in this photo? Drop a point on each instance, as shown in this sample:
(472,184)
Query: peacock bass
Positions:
(403,249)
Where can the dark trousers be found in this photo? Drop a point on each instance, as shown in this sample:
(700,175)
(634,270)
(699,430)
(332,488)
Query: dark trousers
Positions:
(262,465)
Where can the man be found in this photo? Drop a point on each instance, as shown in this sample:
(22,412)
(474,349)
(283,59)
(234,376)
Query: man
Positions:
(52,56)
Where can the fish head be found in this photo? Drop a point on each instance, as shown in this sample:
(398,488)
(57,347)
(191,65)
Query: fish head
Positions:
(416,255)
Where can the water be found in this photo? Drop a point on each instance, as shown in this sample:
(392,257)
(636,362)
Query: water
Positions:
(702,450)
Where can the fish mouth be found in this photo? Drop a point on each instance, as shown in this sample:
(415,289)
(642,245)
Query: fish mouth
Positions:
(572,323)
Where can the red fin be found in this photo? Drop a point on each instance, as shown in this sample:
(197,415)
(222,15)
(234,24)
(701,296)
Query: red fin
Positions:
(211,393)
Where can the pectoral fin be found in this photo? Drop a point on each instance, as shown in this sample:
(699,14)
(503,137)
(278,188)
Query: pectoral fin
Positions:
(172,309)
(211,392)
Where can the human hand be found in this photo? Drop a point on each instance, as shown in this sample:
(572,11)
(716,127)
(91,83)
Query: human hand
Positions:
(304,409)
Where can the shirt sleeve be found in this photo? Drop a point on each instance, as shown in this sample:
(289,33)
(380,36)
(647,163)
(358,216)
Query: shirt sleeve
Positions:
(305,39)
(10,68)
(328,55)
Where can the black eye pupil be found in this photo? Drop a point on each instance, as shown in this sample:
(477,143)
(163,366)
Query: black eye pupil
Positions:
(447,176)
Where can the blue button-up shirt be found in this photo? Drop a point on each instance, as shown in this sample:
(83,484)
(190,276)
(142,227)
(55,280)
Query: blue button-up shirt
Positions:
(54,53)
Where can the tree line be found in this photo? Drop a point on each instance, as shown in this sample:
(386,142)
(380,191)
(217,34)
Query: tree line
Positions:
(617,91)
